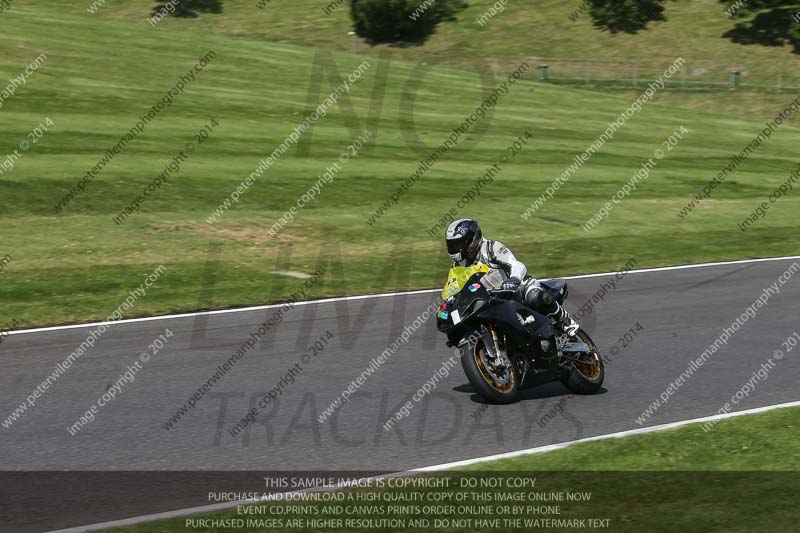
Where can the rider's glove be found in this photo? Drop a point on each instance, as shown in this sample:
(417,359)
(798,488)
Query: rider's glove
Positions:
(510,284)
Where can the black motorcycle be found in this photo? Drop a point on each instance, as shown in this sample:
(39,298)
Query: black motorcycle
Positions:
(507,346)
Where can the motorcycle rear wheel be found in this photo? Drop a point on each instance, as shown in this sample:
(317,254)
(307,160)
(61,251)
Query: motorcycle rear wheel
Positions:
(586,374)
(493,387)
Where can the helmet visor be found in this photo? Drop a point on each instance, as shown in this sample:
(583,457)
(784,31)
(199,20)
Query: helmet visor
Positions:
(457,245)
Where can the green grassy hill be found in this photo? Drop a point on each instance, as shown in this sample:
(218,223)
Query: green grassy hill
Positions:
(104,71)
(541,29)
(532,31)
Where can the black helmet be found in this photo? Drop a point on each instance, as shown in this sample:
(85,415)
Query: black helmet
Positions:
(463,238)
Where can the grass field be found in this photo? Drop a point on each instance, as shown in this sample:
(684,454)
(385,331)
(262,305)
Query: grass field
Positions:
(738,477)
(103,71)
(690,26)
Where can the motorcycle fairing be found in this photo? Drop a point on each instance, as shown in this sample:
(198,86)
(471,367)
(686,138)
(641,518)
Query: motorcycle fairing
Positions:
(458,276)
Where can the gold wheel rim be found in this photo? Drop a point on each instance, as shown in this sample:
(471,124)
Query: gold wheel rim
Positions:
(488,376)
(589,370)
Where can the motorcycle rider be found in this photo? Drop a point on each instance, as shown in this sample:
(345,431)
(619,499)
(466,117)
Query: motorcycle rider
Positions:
(466,247)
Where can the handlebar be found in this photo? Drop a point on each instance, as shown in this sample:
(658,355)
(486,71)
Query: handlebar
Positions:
(502,294)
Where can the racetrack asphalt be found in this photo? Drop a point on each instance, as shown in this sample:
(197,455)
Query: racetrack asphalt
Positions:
(679,314)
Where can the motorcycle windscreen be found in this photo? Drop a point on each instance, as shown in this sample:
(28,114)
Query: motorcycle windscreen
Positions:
(458,276)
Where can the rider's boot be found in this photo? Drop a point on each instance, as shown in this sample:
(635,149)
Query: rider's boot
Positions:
(565,322)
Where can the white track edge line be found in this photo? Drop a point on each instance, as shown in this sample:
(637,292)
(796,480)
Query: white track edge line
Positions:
(383,295)
(620,434)
(436,468)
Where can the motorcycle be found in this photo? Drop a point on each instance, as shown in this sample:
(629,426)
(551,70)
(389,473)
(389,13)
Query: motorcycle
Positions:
(505,345)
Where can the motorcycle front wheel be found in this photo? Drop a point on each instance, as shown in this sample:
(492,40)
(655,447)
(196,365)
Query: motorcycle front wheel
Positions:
(497,385)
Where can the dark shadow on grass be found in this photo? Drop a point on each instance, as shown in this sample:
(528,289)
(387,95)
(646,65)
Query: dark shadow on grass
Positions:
(401,27)
(626,17)
(187,8)
(769,28)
